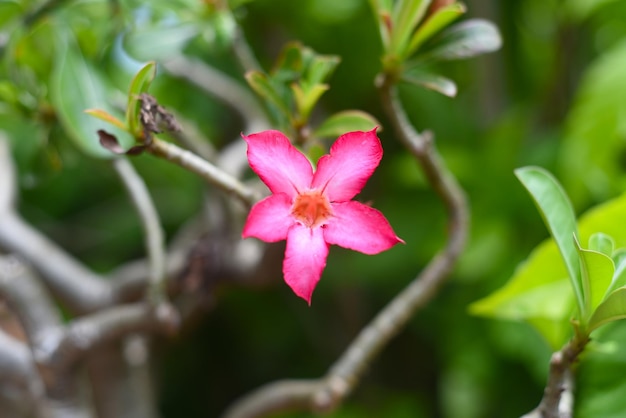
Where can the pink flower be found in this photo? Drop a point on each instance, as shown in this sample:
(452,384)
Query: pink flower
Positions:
(312,210)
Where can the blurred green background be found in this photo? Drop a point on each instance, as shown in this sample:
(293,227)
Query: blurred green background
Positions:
(552,96)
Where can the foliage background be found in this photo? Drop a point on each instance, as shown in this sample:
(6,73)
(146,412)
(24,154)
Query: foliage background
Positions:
(553,96)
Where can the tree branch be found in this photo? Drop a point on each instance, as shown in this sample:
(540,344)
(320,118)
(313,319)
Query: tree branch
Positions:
(77,286)
(558,396)
(327,393)
(16,362)
(153,232)
(204,169)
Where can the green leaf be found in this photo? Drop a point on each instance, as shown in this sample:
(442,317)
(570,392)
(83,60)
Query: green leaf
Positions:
(320,69)
(433,24)
(262,85)
(539,293)
(345,121)
(464,40)
(619,277)
(139,84)
(602,242)
(597,273)
(612,309)
(431,81)
(382,11)
(75,87)
(558,215)
(407,15)
(9,9)
(305,101)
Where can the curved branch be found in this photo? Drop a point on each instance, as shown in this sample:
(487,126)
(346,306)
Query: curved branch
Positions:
(77,286)
(16,363)
(328,392)
(85,334)
(155,241)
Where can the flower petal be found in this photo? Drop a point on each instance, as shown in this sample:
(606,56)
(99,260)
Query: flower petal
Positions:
(352,160)
(279,164)
(270,219)
(305,259)
(360,228)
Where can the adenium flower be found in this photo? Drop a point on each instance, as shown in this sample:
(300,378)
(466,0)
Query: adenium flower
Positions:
(312,210)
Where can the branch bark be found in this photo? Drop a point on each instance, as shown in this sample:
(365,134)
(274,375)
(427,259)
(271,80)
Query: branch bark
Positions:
(155,241)
(558,396)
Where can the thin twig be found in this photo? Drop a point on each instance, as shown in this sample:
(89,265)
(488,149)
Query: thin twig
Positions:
(328,392)
(204,169)
(155,241)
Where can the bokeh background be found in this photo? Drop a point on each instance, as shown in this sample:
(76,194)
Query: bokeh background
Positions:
(554,96)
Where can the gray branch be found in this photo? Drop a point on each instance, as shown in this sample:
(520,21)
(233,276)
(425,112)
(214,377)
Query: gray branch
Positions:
(153,232)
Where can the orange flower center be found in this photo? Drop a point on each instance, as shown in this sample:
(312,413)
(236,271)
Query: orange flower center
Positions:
(311,209)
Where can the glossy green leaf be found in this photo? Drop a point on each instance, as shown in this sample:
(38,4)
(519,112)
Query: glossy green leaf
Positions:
(602,242)
(619,277)
(435,23)
(407,14)
(262,85)
(139,84)
(320,68)
(431,81)
(306,100)
(464,40)
(612,309)
(558,215)
(597,273)
(544,266)
(75,87)
(345,121)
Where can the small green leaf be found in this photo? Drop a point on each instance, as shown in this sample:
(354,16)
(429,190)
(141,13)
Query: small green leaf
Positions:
(431,81)
(558,215)
(320,69)
(597,273)
(439,20)
(290,63)
(76,85)
(305,101)
(407,15)
(262,85)
(602,242)
(464,40)
(345,121)
(139,84)
(612,309)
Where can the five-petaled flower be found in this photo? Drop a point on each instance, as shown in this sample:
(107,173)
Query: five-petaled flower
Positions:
(312,210)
